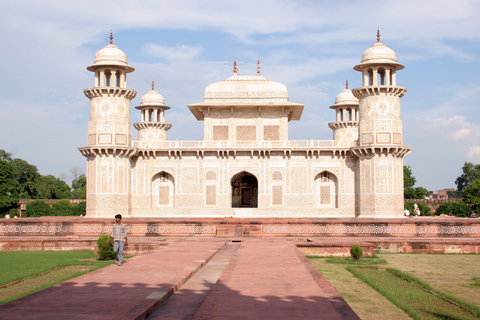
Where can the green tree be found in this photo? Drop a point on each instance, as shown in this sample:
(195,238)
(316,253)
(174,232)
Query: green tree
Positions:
(5,156)
(62,190)
(49,187)
(470,173)
(27,175)
(408,182)
(45,187)
(80,209)
(458,209)
(9,188)
(62,208)
(79,187)
(38,208)
(471,194)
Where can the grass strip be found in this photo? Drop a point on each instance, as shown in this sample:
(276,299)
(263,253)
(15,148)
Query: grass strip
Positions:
(26,272)
(48,279)
(17,265)
(413,296)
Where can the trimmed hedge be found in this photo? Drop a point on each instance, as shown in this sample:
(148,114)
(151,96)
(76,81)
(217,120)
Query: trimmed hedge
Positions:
(105,247)
(356,252)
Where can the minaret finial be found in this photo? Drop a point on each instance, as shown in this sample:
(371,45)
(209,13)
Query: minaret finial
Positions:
(153,85)
(378,35)
(258,67)
(111,37)
(346,84)
(235,70)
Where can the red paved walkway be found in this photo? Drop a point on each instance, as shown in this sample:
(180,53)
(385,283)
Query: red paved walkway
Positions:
(264,279)
(114,292)
(272,279)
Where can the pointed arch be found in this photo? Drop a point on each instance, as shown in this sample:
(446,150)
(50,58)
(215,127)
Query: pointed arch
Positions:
(163,190)
(326,188)
(244,190)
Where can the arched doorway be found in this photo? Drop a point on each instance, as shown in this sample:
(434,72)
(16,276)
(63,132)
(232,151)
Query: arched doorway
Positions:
(244,190)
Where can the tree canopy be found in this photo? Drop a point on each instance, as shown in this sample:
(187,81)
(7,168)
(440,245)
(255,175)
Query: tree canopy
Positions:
(468,185)
(408,182)
(471,172)
(79,186)
(9,188)
(21,180)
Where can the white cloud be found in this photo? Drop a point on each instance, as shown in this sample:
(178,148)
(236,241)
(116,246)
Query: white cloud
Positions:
(181,52)
(461,134)
(474,153)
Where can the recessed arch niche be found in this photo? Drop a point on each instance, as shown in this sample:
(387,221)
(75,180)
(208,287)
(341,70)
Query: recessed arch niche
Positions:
(244,190)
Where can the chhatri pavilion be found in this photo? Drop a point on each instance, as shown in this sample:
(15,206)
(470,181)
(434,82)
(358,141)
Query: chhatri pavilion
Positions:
(246,166)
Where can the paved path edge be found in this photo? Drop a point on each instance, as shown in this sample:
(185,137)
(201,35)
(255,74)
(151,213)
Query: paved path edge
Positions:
(340,305)
(150,303)
(207,309)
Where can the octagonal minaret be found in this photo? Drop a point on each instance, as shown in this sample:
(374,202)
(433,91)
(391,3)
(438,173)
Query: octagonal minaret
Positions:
(345,126)
(152,127)
(380,150)
(109,135)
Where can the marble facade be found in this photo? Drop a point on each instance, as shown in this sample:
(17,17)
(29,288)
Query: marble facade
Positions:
(246,166)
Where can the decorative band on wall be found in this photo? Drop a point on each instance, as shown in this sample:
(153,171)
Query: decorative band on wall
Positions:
(373,229)
(100,228)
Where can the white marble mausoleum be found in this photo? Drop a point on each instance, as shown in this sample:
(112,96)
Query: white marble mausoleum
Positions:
(246,166)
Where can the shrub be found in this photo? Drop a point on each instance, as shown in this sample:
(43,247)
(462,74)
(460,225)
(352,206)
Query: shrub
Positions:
(38,208)
(80,209)
(459,209)
(105,247)
(62,208)
(13,212)
(356,252)
(424,209)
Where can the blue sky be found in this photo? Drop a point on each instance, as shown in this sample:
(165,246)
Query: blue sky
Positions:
(310,46)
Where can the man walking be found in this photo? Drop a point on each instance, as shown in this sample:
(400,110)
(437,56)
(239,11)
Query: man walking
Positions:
(119,239)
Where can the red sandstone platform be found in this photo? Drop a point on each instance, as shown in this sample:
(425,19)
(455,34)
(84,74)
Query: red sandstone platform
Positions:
(444,227)
(264,279)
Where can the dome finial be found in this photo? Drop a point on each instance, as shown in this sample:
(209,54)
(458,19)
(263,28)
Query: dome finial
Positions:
(111,37)
(235,70)
(378,34)
(258,67)
(153,85)
(346,84)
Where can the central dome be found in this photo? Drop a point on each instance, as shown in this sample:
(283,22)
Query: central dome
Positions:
(246,88)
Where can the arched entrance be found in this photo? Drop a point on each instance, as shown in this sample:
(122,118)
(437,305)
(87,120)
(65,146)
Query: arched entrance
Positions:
(244,190)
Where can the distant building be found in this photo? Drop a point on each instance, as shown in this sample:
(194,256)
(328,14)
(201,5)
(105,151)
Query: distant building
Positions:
(439,194)
(246,165)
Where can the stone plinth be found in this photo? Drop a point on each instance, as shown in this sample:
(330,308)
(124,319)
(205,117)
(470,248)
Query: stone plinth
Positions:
(424,227)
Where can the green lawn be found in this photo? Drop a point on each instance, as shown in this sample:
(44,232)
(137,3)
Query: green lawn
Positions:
(39,270)
(454,275)
(16,265)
